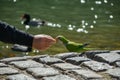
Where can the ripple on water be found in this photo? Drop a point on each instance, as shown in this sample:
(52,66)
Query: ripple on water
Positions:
(92,8)
(94,22)
(82,1)
(111,4)
(105,1)
(98,2)
(111,16)
(80,30)
(14,0)
(91,26)
(96,16)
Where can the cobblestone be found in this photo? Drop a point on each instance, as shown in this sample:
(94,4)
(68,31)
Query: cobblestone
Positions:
(66,66)
(66,55)
(91,54)
(114,72)
(117,63)
(116,51)
(108,57)
(92,65)
(59,77)
(7,70)
(26,64)
(19,77)
(3,65)
(7,60)
(87,74)
(50,60)
(77,60)
(42,72)
(97,66)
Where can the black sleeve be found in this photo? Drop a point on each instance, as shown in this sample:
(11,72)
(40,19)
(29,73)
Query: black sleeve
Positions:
(9,34)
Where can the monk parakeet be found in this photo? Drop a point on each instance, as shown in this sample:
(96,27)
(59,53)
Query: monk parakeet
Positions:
(72,46)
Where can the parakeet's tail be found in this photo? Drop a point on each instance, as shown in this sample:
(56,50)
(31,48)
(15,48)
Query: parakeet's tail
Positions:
(84,45)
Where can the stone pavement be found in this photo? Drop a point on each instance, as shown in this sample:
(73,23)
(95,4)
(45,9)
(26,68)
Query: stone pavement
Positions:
(91,65)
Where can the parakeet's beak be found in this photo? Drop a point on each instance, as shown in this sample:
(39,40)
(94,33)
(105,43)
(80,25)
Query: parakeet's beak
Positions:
(57,39)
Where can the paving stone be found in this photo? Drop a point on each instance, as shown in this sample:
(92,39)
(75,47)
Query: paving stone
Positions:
(115,51)
(50,60)
(86,74)
(108,57)
(66,66)
(26,64)
(91,54)
(3,65)
(7,71)
(19,77)
(42,72)
(66,55)
(39,56)
(52,69)
(59,77)
(114,72)
(117,64)
(7,60)
(97,66)
(77,60)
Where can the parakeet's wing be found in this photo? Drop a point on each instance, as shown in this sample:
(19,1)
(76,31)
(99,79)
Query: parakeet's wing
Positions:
(73,47)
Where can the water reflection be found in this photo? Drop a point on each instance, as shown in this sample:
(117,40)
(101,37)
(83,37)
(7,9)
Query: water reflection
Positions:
(98,2)
(105,1)
(96,16)
(92,8)
(111,16)
(94,22)
(14,0)
(53,7)
(71,27)
(91,26)
(82,1)
(97,12)
(112,4)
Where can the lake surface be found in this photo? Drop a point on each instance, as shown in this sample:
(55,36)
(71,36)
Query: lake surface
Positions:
(94,21)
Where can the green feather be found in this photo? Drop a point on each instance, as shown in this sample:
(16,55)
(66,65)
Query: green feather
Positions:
(63,39)
(72,46)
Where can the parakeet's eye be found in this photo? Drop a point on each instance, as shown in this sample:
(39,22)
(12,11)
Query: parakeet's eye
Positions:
(58,37)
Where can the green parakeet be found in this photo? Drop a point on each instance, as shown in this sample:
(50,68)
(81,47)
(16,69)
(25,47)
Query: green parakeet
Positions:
(72,46)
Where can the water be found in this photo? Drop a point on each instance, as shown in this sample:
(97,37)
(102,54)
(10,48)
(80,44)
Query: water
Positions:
(94,21)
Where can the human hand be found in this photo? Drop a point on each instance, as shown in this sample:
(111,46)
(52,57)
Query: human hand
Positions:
(42,42)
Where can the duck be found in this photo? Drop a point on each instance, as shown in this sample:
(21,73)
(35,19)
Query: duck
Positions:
(27,21)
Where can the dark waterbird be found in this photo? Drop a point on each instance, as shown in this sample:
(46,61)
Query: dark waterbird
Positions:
(28,21)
